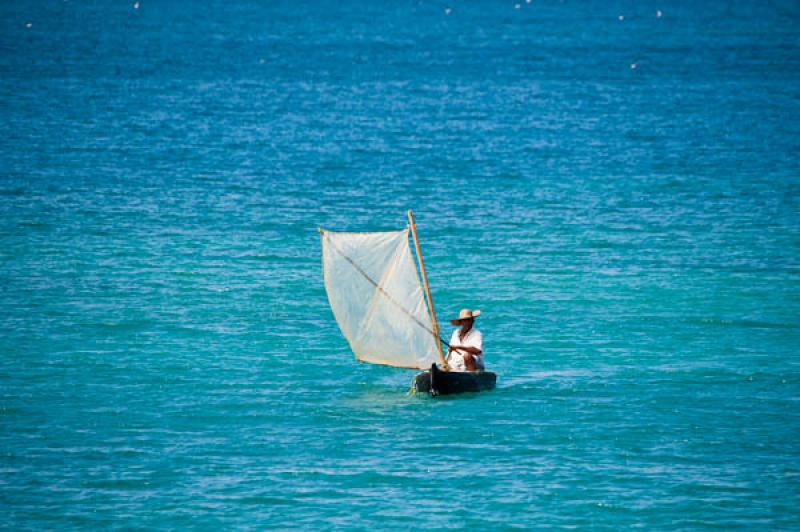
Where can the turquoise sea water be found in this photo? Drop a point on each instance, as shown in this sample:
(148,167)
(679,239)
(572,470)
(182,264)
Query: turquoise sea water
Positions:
(167,355)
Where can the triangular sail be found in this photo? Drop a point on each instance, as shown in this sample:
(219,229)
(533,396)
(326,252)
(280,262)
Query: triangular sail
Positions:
(374,291)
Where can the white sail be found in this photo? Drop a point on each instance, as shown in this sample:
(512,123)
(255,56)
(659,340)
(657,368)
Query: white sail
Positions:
(377,299)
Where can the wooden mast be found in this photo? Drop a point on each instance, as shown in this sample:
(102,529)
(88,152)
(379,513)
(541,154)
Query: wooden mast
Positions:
(427,289)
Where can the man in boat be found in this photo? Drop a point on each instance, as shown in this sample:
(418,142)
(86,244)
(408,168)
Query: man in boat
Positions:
(466,344)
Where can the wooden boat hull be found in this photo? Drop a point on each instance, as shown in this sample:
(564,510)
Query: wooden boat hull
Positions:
(438,382)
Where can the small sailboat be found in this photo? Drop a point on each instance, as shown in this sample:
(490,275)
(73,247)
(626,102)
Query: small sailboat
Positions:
(383,311)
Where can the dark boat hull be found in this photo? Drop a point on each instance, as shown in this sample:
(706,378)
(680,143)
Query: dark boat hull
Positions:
(438,382)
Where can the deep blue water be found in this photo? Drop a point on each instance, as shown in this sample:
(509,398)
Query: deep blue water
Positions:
(167,355)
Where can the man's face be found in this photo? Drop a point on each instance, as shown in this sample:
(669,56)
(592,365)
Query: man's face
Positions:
(467,324)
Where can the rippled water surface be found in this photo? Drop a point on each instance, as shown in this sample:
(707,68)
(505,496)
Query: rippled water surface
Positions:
(620,197)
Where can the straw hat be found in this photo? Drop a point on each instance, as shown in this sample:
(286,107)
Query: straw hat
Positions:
(465,314)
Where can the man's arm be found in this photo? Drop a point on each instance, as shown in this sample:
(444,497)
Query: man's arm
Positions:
(475,346)
(465,349)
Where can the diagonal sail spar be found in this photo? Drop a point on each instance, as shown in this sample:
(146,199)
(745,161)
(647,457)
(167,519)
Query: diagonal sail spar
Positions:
(375,294)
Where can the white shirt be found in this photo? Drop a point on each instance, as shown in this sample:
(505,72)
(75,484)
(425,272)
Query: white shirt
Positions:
(473,338)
